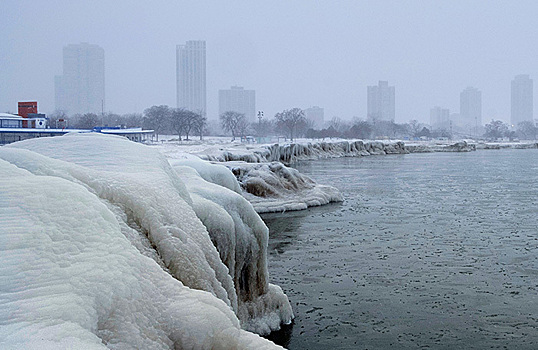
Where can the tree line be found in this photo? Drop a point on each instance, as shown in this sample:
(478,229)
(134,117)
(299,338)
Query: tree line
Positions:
(162,119)
(289,123)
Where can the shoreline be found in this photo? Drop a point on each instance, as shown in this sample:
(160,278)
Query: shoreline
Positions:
(269,183)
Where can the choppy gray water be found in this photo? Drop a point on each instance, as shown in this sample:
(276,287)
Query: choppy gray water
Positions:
(433,251)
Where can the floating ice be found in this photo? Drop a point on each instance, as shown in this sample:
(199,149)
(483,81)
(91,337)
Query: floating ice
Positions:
(86,220)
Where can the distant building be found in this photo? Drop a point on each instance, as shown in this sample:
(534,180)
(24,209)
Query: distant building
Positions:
(522,102)
(471,107)
(81,88)
(381,102)
(440,118)
(316,116)
(191,76)
(239,100)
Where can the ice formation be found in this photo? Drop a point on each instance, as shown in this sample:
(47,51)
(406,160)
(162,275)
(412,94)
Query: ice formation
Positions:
(103,247)
(273,187)
(289,152)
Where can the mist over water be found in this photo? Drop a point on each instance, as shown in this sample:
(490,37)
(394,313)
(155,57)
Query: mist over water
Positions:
(427,251)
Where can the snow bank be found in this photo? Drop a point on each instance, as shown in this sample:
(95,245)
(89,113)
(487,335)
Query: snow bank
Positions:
(273,187)
(102,247)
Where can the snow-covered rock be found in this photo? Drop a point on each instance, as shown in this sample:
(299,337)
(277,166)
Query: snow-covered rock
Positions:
(272,187)
(102,246)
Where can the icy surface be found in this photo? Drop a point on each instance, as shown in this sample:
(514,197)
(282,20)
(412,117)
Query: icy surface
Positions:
(272,187)
(102,247)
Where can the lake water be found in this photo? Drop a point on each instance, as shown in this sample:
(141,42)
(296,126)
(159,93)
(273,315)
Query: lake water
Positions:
(428,251)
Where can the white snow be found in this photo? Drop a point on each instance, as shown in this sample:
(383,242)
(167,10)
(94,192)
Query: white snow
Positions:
(102,246)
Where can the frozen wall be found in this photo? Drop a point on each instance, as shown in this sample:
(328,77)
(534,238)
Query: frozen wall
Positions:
(103,245)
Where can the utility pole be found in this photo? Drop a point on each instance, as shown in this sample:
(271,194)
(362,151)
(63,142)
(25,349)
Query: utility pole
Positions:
(260,116)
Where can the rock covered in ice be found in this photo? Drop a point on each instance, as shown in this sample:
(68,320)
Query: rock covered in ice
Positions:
(272,187)
(101,247)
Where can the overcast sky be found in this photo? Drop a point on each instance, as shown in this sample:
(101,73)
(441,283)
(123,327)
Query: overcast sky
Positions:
(293,53)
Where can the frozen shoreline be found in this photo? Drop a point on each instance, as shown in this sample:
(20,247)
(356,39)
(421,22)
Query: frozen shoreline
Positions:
(219,150)
(105,243)
(271,186)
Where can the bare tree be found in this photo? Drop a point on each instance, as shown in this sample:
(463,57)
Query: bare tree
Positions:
(157,118)
(496,129)
(200,124)
(414,128)
(527,130)
(87,121)
(289,121)
(233,122)
(242,127)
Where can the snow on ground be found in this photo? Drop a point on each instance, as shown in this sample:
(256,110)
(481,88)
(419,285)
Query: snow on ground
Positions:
(104,244)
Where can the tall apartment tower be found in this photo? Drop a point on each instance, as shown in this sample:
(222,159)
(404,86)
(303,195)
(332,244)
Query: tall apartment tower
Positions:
(191,76)
(440,118)
(471,107)
(381,102)
(522,104)
(81,88)
(237,99)
(316,116)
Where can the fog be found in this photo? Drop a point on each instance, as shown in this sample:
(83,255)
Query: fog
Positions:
(294,54)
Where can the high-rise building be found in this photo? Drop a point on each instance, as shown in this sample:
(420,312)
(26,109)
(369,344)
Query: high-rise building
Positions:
(81,88)
(315,115)
(381,102)
(522,103)
(440,118)
(191,76)
(471,107)
(237,99)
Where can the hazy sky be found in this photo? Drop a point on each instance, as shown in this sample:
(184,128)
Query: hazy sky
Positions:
(293,53)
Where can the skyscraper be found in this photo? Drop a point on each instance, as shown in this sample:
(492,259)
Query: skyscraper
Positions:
(440,118)
(471,107)
(522,104)
(81,88)
(381,102)
(191,76)
(237,99)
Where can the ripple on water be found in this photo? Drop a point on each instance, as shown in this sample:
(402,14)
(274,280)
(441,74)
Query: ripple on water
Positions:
(431,251)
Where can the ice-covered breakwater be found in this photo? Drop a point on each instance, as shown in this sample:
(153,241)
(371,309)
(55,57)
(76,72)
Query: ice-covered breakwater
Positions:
(106,245)
(290,152)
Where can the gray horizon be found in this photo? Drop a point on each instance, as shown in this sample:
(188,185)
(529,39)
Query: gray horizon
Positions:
(293,54)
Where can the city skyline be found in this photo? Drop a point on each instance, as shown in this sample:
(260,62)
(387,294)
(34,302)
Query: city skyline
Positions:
(314,66)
